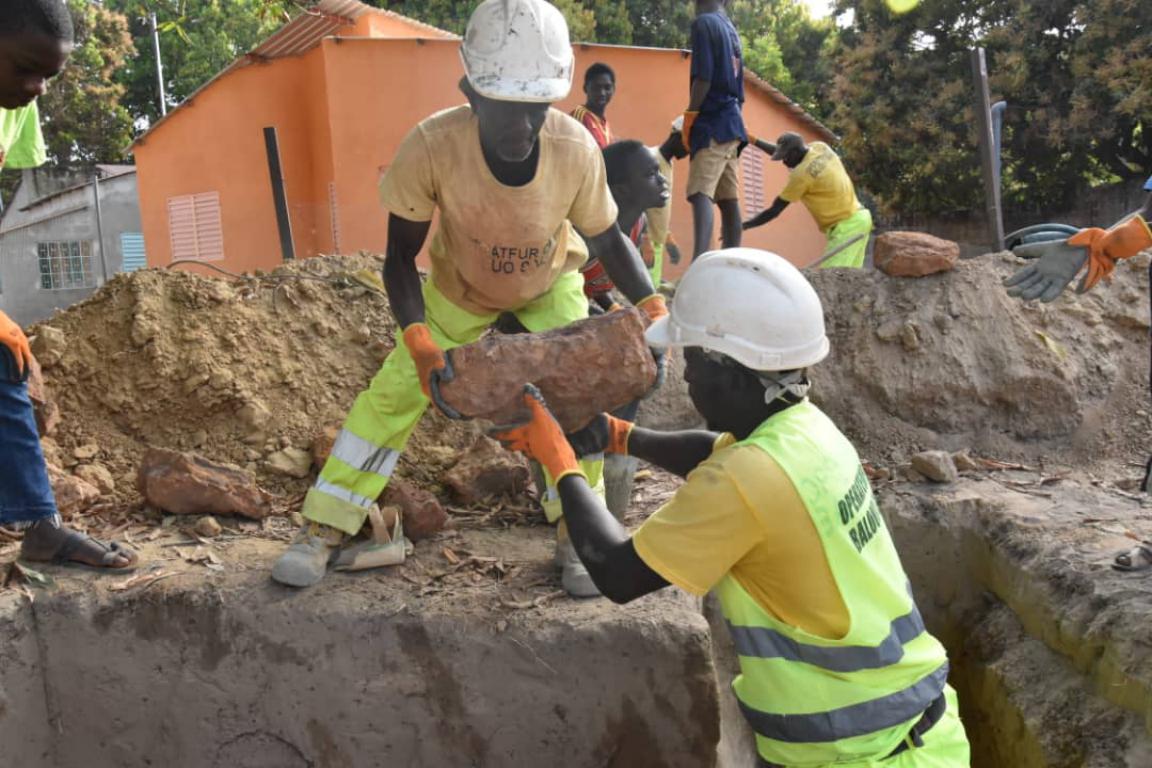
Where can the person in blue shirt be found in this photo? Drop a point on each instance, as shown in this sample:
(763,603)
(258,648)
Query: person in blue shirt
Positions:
(713,125)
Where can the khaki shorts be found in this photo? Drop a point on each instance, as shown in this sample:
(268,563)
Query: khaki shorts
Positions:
(715,171)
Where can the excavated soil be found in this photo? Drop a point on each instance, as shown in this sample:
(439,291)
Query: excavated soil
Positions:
(234,370)
(1051,648)
(951,361)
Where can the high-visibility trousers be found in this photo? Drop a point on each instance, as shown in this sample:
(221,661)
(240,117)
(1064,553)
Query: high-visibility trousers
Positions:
(859,223)
(383,416)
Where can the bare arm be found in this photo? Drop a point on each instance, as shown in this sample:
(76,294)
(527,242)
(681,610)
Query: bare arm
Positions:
(622,262)
(697,94)
(401,280)
(764,146)
(677,452)
(767,215)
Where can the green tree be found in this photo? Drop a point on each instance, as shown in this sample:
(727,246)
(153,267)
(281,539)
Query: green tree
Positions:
(83,118)
(787,47)
(1075,75)
(198,39)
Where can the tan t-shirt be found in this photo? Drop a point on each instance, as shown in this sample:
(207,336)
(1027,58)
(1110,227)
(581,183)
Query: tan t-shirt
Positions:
(498,247)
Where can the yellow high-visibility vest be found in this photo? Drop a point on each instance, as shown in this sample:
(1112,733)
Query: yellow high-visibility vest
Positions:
(811,700)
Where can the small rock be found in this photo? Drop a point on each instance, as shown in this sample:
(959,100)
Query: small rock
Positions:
(914,254)
(48,345)
(937,466)
(73,495)
(96,475)
(910,336)
(254,415)
(422,513)
(208,527)
(86,452)
(188,484)
(889,331)
(292,462)
(486,470)
(964,462)
(199,437)
(253,455)
(911,475)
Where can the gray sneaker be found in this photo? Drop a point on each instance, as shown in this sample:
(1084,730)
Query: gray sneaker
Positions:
(573,575)
(306,560)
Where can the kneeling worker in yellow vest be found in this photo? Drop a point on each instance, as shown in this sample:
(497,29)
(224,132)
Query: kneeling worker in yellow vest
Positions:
(778,519)
(512,179)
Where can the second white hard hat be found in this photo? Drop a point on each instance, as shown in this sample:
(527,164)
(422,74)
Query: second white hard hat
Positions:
(518,50)
(750,305)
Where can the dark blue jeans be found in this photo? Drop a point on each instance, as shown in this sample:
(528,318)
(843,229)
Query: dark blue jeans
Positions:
(25,493)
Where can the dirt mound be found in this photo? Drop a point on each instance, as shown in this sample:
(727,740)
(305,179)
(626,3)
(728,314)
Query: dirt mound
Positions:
(951,361)
(235,370)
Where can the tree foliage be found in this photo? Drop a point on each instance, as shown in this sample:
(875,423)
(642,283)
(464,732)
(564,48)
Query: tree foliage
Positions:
(1075,76)
(198,38)
(83,118)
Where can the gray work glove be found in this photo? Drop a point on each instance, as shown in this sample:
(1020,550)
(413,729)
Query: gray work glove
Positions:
(1056,263)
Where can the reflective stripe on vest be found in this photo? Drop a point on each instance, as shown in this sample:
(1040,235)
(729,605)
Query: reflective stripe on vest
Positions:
(764,643)
(854,720)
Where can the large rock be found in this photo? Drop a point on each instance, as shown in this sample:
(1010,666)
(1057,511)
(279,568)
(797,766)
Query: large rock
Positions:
(583,369)
(487,470)
(422,513)
(914,254)
(188,484)
(73,495)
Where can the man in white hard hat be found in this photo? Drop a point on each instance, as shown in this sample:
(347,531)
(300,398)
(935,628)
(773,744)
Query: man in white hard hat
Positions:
(507,174)
(776,517)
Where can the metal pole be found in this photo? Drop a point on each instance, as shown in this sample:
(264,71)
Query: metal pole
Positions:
(279,196)
(99,225)
(985,141)
(159,65)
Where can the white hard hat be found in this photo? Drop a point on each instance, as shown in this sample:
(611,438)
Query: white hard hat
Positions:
(518,50)
(750,305)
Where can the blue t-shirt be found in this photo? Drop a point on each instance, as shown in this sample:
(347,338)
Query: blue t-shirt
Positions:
(1148,184)
(718,57)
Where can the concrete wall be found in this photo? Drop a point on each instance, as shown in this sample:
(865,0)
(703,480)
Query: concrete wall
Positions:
(340,111)
(66,216)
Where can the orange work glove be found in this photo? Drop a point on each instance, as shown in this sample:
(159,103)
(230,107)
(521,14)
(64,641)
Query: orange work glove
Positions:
(541,438)
(686,131)
(604,434)
(1107,246)
(654,307)
(426,353)
(19,353)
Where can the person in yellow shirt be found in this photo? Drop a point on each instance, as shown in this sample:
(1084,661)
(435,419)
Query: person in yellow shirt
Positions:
(35,43)
(513,181)
(818,180)
(777,518)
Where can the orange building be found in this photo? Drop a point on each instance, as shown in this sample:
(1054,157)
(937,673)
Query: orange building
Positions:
(341,87)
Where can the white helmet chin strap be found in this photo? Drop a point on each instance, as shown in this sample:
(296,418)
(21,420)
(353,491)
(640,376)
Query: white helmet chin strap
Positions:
(793,383)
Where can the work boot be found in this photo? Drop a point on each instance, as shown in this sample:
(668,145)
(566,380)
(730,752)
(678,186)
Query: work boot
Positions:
(305,561)
(573,575)
(619,475)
